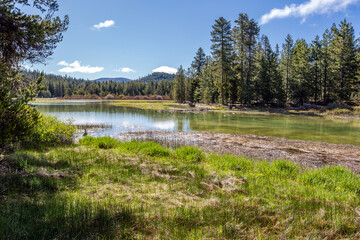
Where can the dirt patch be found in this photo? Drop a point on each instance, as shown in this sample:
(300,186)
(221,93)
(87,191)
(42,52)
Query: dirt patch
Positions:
(312,154)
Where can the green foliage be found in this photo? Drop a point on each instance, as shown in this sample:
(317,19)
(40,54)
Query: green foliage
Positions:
(246,70)
(189,154)
(49,131)
(245,34)
(222,53)
(333,178)
(147,148)
(92,193)
(65,86)
(24,38)
(196,70)
(16,118)
(179,91)
(101,142)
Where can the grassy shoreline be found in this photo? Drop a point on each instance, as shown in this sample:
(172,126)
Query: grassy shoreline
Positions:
(171,106)
(104,188)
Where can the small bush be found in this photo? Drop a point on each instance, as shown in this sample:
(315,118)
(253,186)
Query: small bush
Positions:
(49,131)
(189,154)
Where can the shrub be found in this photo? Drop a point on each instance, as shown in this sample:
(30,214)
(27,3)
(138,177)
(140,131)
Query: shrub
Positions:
(49,131)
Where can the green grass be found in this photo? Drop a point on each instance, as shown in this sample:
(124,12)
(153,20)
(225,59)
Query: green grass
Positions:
(105,189)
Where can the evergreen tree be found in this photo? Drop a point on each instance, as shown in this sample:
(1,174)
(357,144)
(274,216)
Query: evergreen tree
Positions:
(207,90)
(24,37)
(268,81)
(325,61)
(300,86)
(286,62)
(315,55)
(196,68)
(179,86)
(245,34)
(344,49)
(222,52)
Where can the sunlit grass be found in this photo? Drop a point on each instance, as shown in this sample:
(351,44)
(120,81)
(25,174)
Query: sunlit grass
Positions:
(106,189)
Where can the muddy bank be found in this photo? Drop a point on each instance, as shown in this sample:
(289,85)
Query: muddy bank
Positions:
(312,154)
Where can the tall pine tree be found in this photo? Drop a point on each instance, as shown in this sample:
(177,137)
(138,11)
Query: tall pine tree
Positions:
(222,52)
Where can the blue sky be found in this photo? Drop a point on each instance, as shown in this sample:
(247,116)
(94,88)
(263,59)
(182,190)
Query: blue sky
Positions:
(132,38)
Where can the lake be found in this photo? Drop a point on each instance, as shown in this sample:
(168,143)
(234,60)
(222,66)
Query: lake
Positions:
(340,131)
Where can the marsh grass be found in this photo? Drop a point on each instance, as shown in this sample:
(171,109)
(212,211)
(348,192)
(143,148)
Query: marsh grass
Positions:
(106,189)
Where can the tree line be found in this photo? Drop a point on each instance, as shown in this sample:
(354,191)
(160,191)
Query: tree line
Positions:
(244,68)
(65,86)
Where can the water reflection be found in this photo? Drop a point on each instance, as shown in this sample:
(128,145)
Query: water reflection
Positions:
(131,119)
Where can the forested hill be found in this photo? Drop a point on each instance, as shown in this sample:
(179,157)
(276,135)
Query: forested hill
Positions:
(119,79)
(157,76)
(64,86)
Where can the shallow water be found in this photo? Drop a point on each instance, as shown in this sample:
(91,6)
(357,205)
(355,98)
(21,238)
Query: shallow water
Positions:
(122,119)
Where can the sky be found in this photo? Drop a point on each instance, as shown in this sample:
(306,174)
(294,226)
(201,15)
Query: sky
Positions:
(133,38)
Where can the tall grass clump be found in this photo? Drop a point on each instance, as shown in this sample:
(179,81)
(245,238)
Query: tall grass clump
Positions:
(50,131)
(72,217)
(281,168)
(230,162)
(101,142)
(332,178)
(147,148)
(189,154)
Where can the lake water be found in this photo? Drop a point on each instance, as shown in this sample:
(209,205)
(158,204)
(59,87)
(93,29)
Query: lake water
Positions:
(131,119)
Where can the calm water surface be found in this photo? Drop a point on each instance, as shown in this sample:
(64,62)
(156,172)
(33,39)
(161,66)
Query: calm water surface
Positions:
(132,119)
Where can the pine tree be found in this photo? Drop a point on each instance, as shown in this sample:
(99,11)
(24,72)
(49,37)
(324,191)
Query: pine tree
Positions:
(196,68)
(268,81)
(343,47)
(222,52)
(325,62)
(300,86)
(179,86)
(286,61)
(315,55)
(245,34)
(207,90)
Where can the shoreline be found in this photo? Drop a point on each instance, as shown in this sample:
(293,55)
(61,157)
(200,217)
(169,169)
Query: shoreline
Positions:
(172,107)
(307,153)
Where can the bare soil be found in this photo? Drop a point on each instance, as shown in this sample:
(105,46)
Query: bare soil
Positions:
(311,154)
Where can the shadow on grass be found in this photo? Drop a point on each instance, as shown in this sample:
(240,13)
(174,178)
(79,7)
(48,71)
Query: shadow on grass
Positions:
(56,218)
(35,204)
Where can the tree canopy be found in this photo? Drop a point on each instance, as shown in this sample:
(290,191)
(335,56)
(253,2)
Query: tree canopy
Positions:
(24,37)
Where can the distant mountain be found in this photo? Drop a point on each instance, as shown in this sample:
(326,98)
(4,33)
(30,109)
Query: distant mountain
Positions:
(119,79)
(157,76)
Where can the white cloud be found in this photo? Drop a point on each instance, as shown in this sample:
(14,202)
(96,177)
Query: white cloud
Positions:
(106,24)
(76,67)
(306,9)
(165,69)
(125,70)
(27,67)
